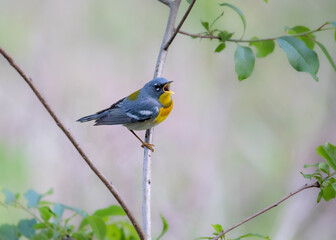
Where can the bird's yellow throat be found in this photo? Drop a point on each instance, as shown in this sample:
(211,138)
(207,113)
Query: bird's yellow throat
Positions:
(166,99)
(167,102)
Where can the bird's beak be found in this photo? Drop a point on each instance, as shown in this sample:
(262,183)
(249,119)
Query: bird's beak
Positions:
(166,88)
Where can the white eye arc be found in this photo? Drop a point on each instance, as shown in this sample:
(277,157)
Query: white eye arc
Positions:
(157,89)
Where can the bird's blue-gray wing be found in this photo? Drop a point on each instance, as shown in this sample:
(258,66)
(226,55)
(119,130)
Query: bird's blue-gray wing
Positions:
(124,113)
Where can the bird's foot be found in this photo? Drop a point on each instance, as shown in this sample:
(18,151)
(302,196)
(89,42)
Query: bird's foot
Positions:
(148,145)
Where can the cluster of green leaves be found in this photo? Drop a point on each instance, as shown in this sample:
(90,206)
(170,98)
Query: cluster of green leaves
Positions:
(218,229)
(47,221)
(324,172)
(298,44)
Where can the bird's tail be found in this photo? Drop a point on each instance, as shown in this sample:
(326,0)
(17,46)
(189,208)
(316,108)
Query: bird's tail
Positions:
(90,117)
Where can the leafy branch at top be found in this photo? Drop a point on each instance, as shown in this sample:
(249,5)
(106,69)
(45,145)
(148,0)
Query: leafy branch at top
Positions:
(298,44)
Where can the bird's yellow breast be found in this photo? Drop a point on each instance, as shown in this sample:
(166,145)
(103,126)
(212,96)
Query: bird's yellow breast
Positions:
(167,102)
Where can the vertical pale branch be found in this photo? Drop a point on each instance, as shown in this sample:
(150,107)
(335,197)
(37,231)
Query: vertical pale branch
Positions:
(146,204)
(169,36)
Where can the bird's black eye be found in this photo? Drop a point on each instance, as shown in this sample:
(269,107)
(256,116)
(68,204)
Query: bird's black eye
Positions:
(157,89)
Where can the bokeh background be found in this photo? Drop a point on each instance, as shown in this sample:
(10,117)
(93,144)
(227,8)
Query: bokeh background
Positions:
(227,150)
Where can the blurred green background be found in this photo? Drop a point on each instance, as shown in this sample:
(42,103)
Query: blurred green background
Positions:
(227,150)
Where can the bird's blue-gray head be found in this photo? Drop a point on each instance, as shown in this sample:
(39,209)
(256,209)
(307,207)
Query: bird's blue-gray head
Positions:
(156,87)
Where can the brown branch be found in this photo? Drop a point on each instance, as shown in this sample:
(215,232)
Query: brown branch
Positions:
(321,28)
(306,186)
(179,25)
(99,174)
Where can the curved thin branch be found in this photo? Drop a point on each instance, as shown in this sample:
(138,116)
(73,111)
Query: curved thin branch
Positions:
(99,174)
(304,187)
(321,28)
(166,46)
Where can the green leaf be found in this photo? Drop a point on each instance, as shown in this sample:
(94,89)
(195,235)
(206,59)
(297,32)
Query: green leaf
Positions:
(215,20)
(334,24)
(50,191)
(328,192)
(9,232)
(113,232)
(204,238)
(129,230)
(164,228)
(266,1)
(308,176)
(334,186)
(324,168)
(59,210)
(328,152)
(319,196)
(42,225)
(239,12)
(77,210)
(218,228)
(189,1)
(205,25)
(17,196)
(33,198)
(40,236)
(224,35)
(307,40)
(98,226)
(220,47)
(326,53)
(244,62)
(9,196)
(81,236)
(263,48)
(299,56)
(317,176)
(252,235)
(46,213)
(113,210)
(26,227)
(309,165)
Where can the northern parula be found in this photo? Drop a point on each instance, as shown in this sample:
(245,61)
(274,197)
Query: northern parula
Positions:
(141,110)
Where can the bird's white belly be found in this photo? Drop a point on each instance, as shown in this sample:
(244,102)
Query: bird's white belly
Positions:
(138,126)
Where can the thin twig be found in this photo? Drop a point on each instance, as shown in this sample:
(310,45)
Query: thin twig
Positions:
(255,40)
(166,2)
(99,174)
(179,25)
(304,187)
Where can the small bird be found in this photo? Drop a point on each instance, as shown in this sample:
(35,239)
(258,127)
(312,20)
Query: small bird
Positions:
(141,110)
